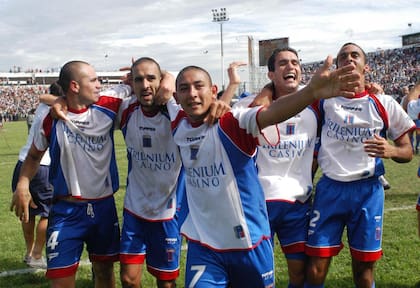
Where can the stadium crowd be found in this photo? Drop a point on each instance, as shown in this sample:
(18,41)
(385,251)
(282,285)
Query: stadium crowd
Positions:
(393,69)
(17,101)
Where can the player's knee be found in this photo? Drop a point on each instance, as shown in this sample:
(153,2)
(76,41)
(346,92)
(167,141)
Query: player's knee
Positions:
(296,274)
(130,275)
(315,274)
(129,280)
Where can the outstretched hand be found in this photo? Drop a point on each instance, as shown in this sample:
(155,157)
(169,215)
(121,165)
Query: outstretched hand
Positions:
(59,109)
(343,81)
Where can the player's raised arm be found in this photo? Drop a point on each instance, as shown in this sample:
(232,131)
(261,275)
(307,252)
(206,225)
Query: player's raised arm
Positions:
(222,105)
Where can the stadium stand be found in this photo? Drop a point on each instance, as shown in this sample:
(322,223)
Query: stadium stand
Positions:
(391,68)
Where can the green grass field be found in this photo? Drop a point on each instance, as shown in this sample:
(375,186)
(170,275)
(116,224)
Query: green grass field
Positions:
(398,268)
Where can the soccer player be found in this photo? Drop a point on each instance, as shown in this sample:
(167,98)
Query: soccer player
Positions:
(154,182)
(285,169)
(349,193)
(226,222)
(84,176)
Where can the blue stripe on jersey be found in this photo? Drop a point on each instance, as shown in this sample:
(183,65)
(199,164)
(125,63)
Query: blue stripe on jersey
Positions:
(251,193)
(113,169)
(111,114)
(56,175)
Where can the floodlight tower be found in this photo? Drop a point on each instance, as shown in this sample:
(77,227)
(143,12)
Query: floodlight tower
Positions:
(220,17)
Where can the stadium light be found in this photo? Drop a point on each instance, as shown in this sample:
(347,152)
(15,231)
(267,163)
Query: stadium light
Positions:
(220,17)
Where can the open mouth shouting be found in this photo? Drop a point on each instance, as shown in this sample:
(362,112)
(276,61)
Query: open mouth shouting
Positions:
(290,76)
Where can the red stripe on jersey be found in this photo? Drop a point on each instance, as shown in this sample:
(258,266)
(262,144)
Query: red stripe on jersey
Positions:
(47,125)
(381,110)
(127,112)
(245,141)
(315,107)
(111,103)
(181,115)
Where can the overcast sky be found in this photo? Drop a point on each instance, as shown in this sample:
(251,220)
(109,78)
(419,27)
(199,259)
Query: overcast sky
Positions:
(48,33)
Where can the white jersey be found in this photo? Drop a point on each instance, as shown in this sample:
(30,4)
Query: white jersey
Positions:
(41,111)
(413,109)
(83,161)
(285,169)
(226,203)
(154,163)
(347,123)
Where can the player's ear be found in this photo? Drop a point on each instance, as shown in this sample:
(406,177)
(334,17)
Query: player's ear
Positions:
(214,90)
(74,86)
